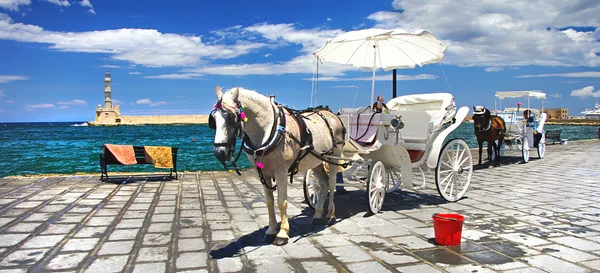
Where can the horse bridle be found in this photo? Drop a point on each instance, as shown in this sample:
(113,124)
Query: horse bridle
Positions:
(489,125)
(234,118)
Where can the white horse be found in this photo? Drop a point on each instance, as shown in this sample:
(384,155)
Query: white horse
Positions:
(272,139)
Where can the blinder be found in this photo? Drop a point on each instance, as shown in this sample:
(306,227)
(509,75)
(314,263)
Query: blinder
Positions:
(211,120)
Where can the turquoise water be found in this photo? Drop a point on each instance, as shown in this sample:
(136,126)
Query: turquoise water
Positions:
(64,148)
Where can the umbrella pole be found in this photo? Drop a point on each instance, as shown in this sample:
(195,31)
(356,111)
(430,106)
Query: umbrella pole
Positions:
(316,86)
(373,87)
(393,83)
(373,80)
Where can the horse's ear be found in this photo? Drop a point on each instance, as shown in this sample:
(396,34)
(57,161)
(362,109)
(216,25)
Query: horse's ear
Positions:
(235,93)
(474,108)
(488,114)
(219,92)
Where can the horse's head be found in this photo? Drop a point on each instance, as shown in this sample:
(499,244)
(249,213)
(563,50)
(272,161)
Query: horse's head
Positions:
(481,118)
(226,118)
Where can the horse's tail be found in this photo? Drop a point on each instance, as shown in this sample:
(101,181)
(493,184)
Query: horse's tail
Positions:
(502,124)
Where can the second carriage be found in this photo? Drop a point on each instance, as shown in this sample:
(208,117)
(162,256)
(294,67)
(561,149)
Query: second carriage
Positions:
(519,130)
(412,135)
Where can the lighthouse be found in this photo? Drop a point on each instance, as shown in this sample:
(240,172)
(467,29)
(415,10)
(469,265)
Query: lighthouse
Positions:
(108,114)
(107,90)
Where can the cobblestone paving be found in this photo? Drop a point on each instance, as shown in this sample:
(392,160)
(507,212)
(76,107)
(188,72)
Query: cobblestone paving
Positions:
(535,217)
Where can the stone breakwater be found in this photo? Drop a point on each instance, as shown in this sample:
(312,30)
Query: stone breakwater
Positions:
(151,120)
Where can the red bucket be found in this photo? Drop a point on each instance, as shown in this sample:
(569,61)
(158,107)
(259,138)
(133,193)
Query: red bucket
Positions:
(447,228)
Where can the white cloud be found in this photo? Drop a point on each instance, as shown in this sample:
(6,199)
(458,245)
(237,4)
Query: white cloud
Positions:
(149,102)
(9,78)
(585,92)
(504,33)
(585,74)
(310,39)
(14,4)
(493,69)
(2,94)
(62,3)
(31,107)
(146,47)
(556,95)
(143,101)
(86,3)
(110,66)
(74,103)
(135,73)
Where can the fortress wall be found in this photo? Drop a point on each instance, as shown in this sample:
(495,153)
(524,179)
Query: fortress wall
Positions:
(112,119)
(180,119)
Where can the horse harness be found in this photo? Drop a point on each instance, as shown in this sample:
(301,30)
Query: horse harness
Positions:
(277,132)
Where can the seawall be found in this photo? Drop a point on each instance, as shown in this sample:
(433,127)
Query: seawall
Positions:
(151,120)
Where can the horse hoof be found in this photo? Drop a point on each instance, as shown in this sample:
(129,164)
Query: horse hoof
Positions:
(270,238)
(317,221)
(280,241)
(331,221)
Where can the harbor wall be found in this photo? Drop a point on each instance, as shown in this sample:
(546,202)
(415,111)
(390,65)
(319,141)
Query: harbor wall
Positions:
(115,119)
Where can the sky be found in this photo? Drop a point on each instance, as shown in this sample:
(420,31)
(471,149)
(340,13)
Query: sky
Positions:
(167,57)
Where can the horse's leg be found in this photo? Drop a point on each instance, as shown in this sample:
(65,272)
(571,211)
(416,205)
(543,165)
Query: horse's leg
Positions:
(282,202)
(331,181)
(272,230)
(321,192)
(490,149)
(500,140)
(480,142)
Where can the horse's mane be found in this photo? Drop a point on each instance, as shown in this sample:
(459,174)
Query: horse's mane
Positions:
(244,94)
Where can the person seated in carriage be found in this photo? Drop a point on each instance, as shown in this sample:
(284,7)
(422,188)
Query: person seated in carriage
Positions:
(532,122)
(379,105)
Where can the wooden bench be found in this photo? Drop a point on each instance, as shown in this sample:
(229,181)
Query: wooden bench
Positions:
(554,135)
(141,157)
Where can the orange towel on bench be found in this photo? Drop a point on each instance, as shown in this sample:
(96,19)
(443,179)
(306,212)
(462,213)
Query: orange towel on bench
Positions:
(123,153)
(161,156)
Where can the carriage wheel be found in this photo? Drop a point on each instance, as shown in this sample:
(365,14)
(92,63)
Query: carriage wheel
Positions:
(542,147)
(376,186)
(519,143)
(309,190)
(394,179)
(525,150)
(454,170)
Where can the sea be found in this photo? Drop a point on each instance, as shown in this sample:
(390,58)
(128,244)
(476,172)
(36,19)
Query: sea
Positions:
(74,148)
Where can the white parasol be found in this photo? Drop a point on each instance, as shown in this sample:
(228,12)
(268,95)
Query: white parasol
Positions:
(387,49)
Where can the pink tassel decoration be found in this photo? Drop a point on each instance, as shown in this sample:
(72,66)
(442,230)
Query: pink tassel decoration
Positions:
(243,116)
(260,165)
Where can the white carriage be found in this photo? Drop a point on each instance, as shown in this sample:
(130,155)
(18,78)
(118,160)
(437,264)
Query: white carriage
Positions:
(410,136)
(519,132)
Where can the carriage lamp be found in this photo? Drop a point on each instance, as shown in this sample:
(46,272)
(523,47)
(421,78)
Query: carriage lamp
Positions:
(397,123)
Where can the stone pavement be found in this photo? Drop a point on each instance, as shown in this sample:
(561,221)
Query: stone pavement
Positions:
(535,217)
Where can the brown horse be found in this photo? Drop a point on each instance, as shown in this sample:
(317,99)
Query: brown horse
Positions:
(488,128)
